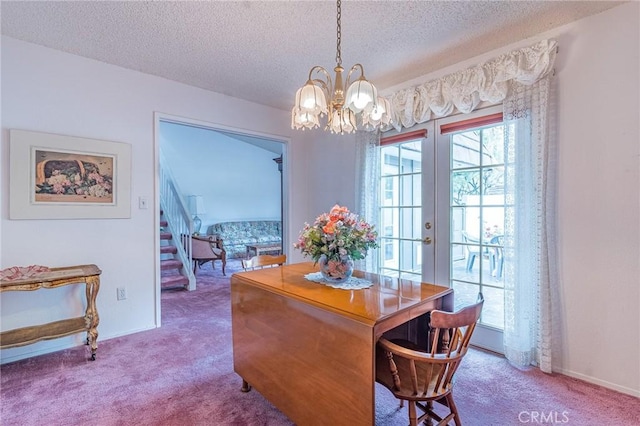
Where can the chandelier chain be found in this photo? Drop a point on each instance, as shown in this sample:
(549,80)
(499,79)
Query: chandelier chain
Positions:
(338,34)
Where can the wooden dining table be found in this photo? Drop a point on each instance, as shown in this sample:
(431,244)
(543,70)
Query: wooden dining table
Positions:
(310,349)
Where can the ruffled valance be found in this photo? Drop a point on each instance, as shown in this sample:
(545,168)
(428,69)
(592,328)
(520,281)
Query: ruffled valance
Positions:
(464,90)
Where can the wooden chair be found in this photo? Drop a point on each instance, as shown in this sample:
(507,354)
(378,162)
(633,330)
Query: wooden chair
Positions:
(422,377)
(263,261)
(207,249)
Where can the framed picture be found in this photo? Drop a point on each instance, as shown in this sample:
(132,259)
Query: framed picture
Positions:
(67,177)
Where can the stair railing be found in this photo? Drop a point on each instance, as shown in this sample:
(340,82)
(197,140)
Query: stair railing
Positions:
(178,219)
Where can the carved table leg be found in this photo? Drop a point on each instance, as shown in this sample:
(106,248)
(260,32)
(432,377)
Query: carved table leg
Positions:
(91,315)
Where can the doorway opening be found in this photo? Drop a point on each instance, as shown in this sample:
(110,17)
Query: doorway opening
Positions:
(235,174)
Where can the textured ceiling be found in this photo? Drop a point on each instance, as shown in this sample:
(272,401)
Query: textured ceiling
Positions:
(262,50)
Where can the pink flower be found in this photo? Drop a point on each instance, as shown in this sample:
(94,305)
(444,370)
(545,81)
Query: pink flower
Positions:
(96,177)
(338,213)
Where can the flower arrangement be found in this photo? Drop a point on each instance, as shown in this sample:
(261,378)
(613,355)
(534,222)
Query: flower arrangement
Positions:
(337,234)
(69,181)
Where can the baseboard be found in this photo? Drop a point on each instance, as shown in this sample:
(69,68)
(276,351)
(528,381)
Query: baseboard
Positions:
(36,352)
(61,346)
(594,381)
(486,350)
(579,376)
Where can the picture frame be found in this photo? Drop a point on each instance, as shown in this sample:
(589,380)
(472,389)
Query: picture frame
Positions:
(67,177)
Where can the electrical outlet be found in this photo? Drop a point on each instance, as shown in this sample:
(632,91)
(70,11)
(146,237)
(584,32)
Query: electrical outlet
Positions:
(122,293)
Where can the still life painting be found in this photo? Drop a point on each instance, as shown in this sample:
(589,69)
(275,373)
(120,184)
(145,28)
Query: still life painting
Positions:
(72,177)
(68,177)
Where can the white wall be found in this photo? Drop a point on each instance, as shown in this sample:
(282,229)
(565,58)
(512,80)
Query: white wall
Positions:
(598,197)
(330,173)
(598,211)
(332,166)
(238,181)
(50,91)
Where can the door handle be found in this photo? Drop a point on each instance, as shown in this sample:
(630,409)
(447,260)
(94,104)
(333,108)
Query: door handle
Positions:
(425,240)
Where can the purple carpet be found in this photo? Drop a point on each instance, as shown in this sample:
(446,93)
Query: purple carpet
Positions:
(182,374)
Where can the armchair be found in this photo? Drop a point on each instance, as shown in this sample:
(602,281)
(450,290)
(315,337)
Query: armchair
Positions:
(207,249)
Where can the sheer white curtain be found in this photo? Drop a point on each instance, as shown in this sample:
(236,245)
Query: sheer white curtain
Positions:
(529,224)
(520,80)
(368,187)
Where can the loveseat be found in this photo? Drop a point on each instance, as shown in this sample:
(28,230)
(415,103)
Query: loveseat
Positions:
(236,235)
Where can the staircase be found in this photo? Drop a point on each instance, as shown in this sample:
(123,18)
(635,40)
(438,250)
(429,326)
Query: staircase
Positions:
(176,228)
(170,266)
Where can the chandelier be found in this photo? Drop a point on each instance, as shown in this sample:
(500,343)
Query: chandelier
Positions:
(361,106)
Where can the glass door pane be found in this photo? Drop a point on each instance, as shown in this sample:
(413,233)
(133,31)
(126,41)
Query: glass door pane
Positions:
(470,194)
(477,202)
(400,211)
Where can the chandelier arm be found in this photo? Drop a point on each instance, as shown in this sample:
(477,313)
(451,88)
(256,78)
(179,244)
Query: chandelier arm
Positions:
(319,70)
(328,85)
(322,70)
(354,68)
(323,85)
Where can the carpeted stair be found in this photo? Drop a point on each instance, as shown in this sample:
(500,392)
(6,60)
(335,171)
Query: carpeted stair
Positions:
(170,267)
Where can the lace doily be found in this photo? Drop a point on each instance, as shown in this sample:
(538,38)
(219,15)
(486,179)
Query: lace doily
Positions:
(353,283)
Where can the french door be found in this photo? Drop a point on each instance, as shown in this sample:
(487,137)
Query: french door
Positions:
(442,210)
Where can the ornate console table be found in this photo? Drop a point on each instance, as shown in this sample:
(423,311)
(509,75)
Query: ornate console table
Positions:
(57,277)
